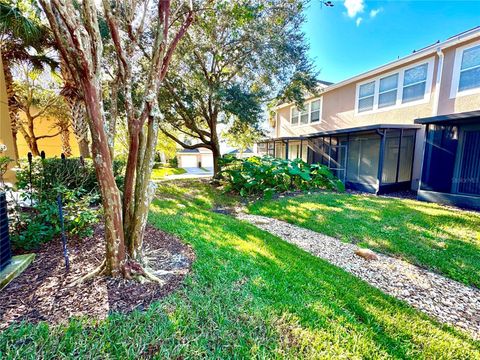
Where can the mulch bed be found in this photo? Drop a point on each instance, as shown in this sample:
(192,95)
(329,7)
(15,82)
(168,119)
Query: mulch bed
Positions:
(41,293)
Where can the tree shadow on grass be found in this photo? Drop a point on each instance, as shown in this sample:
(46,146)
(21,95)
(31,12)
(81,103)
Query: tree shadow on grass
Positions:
(428,235)
(284,279)
(250,294)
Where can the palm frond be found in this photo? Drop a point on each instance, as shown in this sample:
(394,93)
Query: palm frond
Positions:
(30,31)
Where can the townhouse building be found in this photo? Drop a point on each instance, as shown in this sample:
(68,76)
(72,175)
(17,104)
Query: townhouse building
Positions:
(413,123)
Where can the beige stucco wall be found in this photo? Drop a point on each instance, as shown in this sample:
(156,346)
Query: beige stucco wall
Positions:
(5,130)
(338,109)
(457,104)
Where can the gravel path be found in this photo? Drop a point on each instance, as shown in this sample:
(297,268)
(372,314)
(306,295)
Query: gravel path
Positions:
(447,300)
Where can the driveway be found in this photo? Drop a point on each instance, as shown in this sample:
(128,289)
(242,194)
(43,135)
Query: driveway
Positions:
(199,171)
(191,173)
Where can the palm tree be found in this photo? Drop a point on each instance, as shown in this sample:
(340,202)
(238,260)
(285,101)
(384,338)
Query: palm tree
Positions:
(21,32)
(78,112)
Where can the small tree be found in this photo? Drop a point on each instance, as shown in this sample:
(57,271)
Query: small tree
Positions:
(40,102)
(144,35)
(21,31)
(239,56)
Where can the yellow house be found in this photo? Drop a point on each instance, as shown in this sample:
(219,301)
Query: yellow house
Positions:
(43,126)
(51,145)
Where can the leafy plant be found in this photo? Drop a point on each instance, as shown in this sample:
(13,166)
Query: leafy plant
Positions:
(266,176)
(71,173)
(29,228)
(75,181)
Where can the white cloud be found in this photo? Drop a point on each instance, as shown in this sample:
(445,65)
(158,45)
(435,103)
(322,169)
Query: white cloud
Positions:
(358,21)
(354,7)
(375,12)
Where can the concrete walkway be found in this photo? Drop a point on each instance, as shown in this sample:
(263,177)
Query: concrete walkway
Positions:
(444,299)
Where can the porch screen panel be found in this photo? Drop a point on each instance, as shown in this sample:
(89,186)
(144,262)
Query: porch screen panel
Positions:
(469,182)
(390,157)
(406,156)
(363,158)
(439,161)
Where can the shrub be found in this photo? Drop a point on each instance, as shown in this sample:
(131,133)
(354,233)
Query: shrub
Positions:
(29,228)
(266,176)
(173,162)
(71,173)
(76,181)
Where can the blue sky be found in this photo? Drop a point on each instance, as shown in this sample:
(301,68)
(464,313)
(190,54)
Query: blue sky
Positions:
(358,35)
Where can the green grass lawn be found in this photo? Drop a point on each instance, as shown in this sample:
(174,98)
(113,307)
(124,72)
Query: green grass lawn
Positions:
(430,235)
(250,295)
(159,174)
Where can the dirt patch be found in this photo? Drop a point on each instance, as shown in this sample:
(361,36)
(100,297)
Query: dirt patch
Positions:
(42,293)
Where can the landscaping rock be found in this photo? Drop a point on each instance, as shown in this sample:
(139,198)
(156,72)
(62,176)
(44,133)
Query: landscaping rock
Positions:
(366,254)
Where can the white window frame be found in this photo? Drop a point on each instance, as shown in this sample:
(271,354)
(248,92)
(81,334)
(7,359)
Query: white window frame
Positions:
(367,96)
(398,103)
(456,72)
(308,108)
(413,84)
(386,91)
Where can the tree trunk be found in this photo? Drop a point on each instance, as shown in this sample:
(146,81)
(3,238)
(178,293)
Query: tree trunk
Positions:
(215,148)
(34,146)
(14,135)
(80,126)
(128,190)
(144,190)
(84,148)
(66,148)
(13,107)
(111,201)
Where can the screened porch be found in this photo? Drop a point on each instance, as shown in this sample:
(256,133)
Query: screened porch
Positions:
(451,161)
(375,159)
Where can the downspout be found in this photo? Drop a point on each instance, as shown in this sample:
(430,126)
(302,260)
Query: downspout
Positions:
(436,104)
(438,82)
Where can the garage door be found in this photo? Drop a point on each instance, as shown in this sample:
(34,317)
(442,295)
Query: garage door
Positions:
(207,160)
(188,161)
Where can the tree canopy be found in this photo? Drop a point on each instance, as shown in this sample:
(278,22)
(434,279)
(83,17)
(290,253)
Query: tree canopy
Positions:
(239,56)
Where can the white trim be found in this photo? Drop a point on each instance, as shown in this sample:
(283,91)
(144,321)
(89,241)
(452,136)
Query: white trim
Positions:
(308,108)
(399,104)
(456,72)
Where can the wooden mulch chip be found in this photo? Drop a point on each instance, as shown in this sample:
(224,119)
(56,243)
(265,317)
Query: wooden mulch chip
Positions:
(42,292)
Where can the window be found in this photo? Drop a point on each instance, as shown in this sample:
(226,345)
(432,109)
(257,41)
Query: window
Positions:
(294,116)
(404,87)
(315,111)
(470,69)
(309,114)
(366,96)
(414,83)
(388,91)
(304,115)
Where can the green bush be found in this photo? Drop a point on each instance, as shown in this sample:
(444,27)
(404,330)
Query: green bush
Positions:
(173,162)
(29,228)
(266,176)
(71,173)
(76,181)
